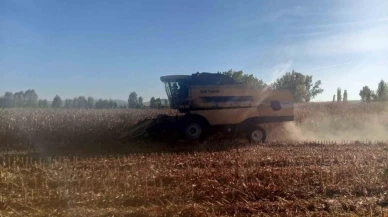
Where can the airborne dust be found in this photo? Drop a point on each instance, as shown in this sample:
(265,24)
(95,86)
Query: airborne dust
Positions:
(336,122)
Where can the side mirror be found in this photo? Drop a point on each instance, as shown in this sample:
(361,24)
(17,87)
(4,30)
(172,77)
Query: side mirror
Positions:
(275,105)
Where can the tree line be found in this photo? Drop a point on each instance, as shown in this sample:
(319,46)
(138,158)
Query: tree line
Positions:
(82,103)
(340,98)
(137,102)
(366,94)
(30,99)
(381,94)
(302,86)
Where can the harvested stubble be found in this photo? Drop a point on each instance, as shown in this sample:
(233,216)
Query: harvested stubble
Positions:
(293,179)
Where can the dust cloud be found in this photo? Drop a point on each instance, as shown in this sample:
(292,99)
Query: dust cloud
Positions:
(336,125)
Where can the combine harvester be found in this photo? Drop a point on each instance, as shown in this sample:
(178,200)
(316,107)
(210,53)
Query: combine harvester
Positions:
(213,102)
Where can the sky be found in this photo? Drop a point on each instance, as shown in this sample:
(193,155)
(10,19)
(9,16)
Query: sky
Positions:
(107,49)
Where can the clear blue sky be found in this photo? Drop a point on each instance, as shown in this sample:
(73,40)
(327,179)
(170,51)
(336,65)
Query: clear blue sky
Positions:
(109,48)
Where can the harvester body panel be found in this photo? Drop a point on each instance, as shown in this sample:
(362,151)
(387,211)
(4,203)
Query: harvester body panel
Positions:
(233,104)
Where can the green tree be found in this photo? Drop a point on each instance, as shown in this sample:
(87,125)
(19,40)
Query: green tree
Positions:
(345,96)
(158,103)
(68,103)
(57,102)
(239,76)
(366,94)
(312,89)
(19,99)
(300,85)
(99,104)
(8,100)
(132,100)
(30,99)
(382,91)
(152,102)
(82,102)
(140,100)
(40,103)
(90,102)
(75,102)
(374,96)
(110,104)
(105,104)
(166,103)
(45,104)
(339,95)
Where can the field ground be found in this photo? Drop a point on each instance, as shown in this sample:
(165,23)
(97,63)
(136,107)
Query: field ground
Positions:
(285,179)
(332,161)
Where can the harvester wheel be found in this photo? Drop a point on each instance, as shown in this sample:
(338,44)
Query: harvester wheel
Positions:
(256,135)
(195,130)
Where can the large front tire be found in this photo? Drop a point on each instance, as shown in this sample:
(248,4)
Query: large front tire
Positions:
(257,134)
(195,129)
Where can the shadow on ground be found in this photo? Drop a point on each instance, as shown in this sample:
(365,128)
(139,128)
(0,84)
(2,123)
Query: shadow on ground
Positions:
(128,148)
(164,147)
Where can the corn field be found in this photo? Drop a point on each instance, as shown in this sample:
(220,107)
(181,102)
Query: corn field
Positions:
(332,161)
(45,129)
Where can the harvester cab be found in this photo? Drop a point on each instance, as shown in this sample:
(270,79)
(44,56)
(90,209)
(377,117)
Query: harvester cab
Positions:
(211,101)
(177,89)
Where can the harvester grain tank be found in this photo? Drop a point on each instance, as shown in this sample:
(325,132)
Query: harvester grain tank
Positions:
(209,102)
